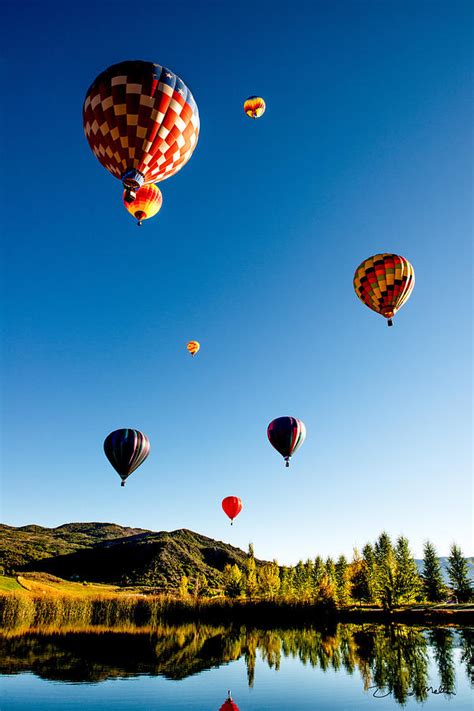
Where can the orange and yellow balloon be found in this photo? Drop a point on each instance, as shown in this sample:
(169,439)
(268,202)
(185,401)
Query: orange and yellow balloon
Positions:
(384,283)
(193,347)
(146,204)
(254,106)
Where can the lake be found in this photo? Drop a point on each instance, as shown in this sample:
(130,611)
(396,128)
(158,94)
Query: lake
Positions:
(191,667)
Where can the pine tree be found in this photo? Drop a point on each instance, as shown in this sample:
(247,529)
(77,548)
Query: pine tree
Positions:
(308,579)
(342,581)
(318,572)
(407,579)
(433,585)
(385,571)
(330,569)
(299,580)
(458,574)
(370,576)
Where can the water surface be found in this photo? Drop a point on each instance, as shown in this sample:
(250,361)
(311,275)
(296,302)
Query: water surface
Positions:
(192,666)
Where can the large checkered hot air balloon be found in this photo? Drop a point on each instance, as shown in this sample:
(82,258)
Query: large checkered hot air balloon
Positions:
(384,282)
(141,122)
(286,434)
(126,449)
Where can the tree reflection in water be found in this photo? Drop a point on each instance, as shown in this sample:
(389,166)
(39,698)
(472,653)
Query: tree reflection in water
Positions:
(392,660)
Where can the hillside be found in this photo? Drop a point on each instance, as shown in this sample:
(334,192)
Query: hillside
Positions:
(21,546)
(112,554)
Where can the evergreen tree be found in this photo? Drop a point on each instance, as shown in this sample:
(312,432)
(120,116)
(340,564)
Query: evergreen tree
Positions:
(308,579)
(330,569)
(290,582)
(458,574)
(433,585)
(318,572)
(299,580)
(342,581)
(408,581)
(285,582)
(369,571)
(385,571)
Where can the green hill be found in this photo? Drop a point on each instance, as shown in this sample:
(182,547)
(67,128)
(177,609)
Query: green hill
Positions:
(102,552)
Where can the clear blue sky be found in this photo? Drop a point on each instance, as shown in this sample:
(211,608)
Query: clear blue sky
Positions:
(365,147)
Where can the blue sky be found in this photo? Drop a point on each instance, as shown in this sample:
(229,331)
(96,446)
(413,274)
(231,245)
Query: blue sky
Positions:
(365,147)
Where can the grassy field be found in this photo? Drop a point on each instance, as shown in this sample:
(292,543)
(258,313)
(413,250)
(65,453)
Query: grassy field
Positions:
(45,584)
(8,584)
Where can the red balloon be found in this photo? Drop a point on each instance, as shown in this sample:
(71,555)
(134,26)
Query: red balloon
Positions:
(229,704)
(232,506)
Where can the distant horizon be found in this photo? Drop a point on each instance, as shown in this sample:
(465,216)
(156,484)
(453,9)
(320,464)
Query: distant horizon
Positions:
(230,543)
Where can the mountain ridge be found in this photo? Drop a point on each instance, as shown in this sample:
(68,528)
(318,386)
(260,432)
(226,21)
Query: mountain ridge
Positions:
(105,552)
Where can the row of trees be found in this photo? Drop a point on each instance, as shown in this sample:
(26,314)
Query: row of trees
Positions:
(385,574)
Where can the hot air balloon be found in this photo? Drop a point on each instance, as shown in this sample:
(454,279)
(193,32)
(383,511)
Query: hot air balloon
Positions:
(193,347)
(254,106)
(126,449)
(232,506)
(146,204)
(141,122)
(384,282)
(286,434)
(229,704)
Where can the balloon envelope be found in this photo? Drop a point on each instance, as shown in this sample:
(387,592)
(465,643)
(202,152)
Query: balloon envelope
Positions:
(232,506)
(286,434)
(141,122)
(126,449)
(147,203)
(193,347)
(384,282)
(229,705)
(254,106)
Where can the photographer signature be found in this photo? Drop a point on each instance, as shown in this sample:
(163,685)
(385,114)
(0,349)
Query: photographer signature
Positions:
(380,693)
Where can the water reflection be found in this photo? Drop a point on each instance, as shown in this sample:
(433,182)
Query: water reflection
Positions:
(391,660)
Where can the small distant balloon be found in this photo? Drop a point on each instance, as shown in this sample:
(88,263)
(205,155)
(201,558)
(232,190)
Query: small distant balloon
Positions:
(146,204)
(232,506)
(286,435)
(193,347)
(384,283)
(126,449)
(229,704)
(254,106)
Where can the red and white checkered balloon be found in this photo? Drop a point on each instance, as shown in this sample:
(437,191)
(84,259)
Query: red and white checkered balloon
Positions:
(141,122)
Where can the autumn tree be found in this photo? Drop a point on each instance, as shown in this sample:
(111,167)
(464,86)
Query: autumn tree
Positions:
(183,590)
(251,582)
(269,579)
(233,581)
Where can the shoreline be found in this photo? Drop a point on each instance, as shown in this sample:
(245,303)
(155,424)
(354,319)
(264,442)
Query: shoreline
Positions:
(27,610)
